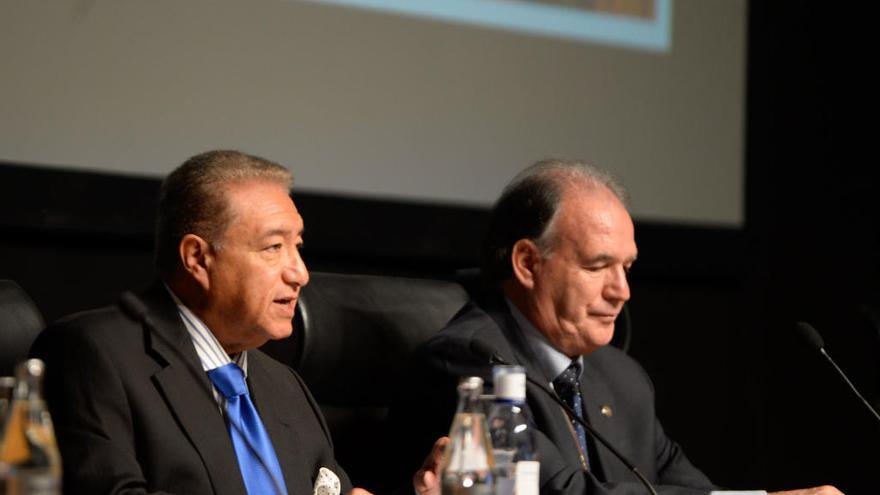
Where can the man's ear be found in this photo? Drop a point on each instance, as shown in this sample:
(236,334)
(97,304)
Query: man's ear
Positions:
(196,257)
(525,258)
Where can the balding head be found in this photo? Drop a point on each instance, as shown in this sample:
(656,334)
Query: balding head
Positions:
(529,204)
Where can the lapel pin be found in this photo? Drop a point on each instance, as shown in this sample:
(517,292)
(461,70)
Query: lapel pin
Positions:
(606,411)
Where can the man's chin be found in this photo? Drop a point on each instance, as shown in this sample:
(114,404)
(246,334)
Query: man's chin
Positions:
(599,337)
(606,337)
(280,333)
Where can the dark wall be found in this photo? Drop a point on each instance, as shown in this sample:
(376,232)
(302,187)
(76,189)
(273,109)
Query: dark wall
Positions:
(712,308)
(813,235)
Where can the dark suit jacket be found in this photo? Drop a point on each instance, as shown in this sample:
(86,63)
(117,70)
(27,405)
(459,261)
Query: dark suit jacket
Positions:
(610,378)
(134,411)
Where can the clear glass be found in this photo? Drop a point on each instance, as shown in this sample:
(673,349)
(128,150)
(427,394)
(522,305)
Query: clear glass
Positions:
(468,466)
(512,435)
(28,445)
(7,385)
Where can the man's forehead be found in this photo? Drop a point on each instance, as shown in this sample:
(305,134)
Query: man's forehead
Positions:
(594,209)
(283,231)
(597,221)
(256,195)
(265,206)
(590,191)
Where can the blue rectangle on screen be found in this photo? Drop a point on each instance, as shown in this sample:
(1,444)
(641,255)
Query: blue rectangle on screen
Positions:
(648,32)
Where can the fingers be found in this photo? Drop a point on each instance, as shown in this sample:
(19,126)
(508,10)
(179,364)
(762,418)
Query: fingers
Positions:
(818,490)
(426,481)
(434,459)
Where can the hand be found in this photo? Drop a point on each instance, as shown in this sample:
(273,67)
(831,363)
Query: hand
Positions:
(359,491)
(817,490)
(426,481)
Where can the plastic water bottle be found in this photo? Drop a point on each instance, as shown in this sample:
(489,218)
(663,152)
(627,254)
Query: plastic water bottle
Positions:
(513,438)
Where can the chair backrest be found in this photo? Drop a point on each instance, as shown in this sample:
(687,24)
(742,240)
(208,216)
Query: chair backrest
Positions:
(352,337)
(20,323)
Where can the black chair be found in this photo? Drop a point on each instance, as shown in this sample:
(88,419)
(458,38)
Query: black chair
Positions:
(20,323)
(352,337)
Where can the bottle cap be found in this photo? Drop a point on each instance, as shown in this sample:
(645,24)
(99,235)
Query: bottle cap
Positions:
(32,367)
(510,382)
(471,384)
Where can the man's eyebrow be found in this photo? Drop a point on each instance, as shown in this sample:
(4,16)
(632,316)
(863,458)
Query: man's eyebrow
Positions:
(599,258)
(606,258)
(281,232)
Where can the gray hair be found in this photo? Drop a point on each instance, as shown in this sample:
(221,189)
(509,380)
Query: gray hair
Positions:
(193,199)
(529,204)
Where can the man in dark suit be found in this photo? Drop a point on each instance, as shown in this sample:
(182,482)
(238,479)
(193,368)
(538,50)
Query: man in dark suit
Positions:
(559,246)
(134,390)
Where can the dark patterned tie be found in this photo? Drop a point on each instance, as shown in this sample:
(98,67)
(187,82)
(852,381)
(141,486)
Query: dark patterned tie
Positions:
(253,448)
(568,386)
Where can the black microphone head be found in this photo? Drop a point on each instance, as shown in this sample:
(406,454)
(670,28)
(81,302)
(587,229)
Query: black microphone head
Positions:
(810,336)
(133,306)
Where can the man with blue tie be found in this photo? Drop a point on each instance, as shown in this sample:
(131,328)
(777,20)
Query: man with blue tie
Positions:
(166,392)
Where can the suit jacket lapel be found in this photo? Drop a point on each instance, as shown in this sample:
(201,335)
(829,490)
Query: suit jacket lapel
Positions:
(599,409)
(276,415)
(545,411)
(188,393)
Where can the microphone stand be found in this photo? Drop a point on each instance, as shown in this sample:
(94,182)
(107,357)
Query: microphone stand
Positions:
(812,339)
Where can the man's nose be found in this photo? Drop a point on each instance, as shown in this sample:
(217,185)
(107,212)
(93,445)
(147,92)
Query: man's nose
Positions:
(617,287)
(296,273)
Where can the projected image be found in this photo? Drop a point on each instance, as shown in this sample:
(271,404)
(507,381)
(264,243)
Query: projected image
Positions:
(634,8)
(641,24)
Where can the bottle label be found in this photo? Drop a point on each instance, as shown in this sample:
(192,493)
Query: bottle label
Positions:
(527,477)
(38,483)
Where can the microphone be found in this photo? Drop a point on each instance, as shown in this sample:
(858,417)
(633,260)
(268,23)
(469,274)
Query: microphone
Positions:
(132,306)
(812,338)
(486,352)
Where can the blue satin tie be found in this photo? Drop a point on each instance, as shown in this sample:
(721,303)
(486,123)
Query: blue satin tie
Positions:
(253,447)
(568,386)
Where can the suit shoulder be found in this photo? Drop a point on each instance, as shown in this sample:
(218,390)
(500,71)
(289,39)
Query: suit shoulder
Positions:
(275,368)
(469,324)
(453,351)
(91,316)
(103,332)
(613,356)
(95,324)
(270,363)
(617,366)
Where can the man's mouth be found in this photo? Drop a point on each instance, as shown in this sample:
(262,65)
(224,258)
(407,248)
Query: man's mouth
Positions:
(288,302)
(606,317)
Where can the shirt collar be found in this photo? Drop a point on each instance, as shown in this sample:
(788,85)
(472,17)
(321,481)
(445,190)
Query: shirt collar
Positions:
(552,361)
(211,353)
